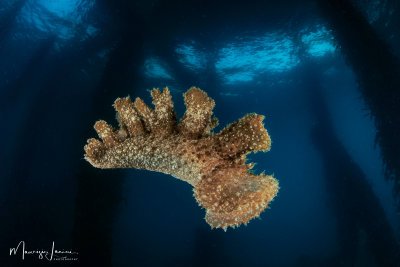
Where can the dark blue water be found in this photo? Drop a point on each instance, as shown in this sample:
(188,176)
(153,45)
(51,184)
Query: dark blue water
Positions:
(64,62)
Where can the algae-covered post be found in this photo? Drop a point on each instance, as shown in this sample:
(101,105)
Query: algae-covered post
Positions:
(214,164)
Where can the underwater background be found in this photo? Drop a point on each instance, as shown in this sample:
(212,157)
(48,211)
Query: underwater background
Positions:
(325,73)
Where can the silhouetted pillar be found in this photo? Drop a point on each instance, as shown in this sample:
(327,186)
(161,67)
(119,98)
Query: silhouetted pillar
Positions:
(378,74)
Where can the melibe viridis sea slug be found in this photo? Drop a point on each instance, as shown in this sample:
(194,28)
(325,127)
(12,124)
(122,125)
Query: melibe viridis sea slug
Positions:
(213,163)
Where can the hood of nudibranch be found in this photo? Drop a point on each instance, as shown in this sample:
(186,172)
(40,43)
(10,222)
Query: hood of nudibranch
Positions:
(233,196)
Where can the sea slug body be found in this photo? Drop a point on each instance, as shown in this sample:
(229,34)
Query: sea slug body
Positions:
(213,163)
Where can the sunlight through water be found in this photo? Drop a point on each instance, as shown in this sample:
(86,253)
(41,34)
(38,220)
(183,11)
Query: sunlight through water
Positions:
(318,42)
(153,68)
(62,18)
(243,60)
(191,57)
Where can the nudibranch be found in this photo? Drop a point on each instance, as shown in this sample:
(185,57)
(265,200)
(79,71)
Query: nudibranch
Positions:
(213,163)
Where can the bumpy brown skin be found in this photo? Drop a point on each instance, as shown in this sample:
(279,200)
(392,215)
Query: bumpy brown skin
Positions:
(214,164)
